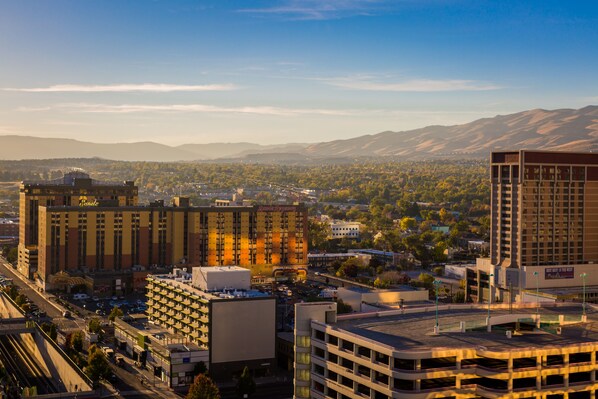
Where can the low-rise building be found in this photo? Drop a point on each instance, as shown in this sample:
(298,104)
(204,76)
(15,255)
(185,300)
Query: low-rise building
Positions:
(327,259)
(171,358)
(343,229)
(214,307)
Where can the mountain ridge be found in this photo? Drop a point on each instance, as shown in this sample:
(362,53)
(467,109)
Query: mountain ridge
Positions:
(562,129)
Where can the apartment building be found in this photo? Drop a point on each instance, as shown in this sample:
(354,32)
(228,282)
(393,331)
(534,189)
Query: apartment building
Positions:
(550,355)
(104,240)
(215,308)
(74,189)
(544,222)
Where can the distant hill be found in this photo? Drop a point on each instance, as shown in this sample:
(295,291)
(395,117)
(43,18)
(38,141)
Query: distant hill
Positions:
(561,129)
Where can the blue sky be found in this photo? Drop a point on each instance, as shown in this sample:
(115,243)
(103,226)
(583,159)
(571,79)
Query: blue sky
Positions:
(285,71)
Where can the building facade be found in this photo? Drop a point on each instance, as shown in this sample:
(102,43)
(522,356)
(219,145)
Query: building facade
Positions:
(105,239)
(236,324)
(392,356)
(544,221)
(74,189)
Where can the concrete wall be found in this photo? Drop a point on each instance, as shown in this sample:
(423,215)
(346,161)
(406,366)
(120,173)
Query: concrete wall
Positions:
(242,330)
(59,367)
(591,271)
(356,299)
(211,278)
(8,310)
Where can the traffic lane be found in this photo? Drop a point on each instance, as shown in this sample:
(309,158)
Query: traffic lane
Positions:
(32,294)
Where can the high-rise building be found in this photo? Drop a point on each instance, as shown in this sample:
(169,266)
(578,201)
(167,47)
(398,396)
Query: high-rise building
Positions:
(104,240)
(544,222)
(74,189)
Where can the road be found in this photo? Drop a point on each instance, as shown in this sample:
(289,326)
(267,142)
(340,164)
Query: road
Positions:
(36,297)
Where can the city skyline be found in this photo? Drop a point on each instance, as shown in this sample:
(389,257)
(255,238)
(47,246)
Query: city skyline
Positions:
(285,71)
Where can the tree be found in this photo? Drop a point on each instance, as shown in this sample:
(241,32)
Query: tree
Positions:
(94,326)
(20,300)
(407,223)
(439,271)
(116,312)
(97,364)
(203,388)
(75,341)
(379,283)
(200,368)
(349,268)
(50,329)
(12,255)
(342,307)
(246,385)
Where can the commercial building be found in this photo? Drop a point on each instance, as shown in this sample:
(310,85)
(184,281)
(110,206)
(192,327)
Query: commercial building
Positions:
(524,354)
(544,223)
(114,240)
(214,307)
(343,229)
(171,358)
(74,189)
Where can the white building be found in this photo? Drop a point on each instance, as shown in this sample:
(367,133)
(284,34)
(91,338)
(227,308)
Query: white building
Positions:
(344,229)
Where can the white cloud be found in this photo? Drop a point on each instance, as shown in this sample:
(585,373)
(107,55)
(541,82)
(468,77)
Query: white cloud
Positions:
(190,108)
(144,87)
(319,9)
(413,85)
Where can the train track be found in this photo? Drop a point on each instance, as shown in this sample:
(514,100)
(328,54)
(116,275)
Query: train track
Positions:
(23,366)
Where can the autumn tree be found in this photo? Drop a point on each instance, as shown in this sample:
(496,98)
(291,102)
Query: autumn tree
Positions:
(203,388)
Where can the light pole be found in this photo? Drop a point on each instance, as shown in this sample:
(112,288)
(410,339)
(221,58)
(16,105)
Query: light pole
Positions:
(583,279)
(436,284)
(489,295)
(537,275)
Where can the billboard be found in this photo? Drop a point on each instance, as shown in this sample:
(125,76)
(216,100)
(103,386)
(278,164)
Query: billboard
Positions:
(556,273)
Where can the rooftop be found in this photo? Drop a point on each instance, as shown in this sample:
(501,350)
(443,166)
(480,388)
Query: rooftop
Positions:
(185,283)
(414,332)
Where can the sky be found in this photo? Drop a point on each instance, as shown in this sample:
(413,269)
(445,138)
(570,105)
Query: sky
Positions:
(285,71)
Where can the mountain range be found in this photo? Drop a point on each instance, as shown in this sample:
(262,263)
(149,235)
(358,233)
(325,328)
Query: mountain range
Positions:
(558,130)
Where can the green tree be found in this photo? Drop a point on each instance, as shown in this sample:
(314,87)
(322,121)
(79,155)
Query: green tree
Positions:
(12,255)
(318,234)
(407,223)
(342,307)
(379,283)
(114,313)
(439,271)
(426,278)
(94,326)
(50,329)
(203,388)
(97,364)
(246,385)
(76,341)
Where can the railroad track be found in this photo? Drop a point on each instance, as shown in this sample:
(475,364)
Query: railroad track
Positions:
(24,366)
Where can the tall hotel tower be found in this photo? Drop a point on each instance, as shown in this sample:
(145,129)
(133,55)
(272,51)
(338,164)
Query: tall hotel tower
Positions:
(544,222)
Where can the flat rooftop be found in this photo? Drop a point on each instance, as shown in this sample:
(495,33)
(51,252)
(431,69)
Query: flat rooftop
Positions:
(415,331)
(185,285)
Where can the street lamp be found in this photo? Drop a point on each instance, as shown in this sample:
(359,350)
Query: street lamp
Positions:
(436,285)
(489,295)
(537,275)
(583,279)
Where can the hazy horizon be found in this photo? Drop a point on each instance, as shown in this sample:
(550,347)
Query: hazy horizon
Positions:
(287,71)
